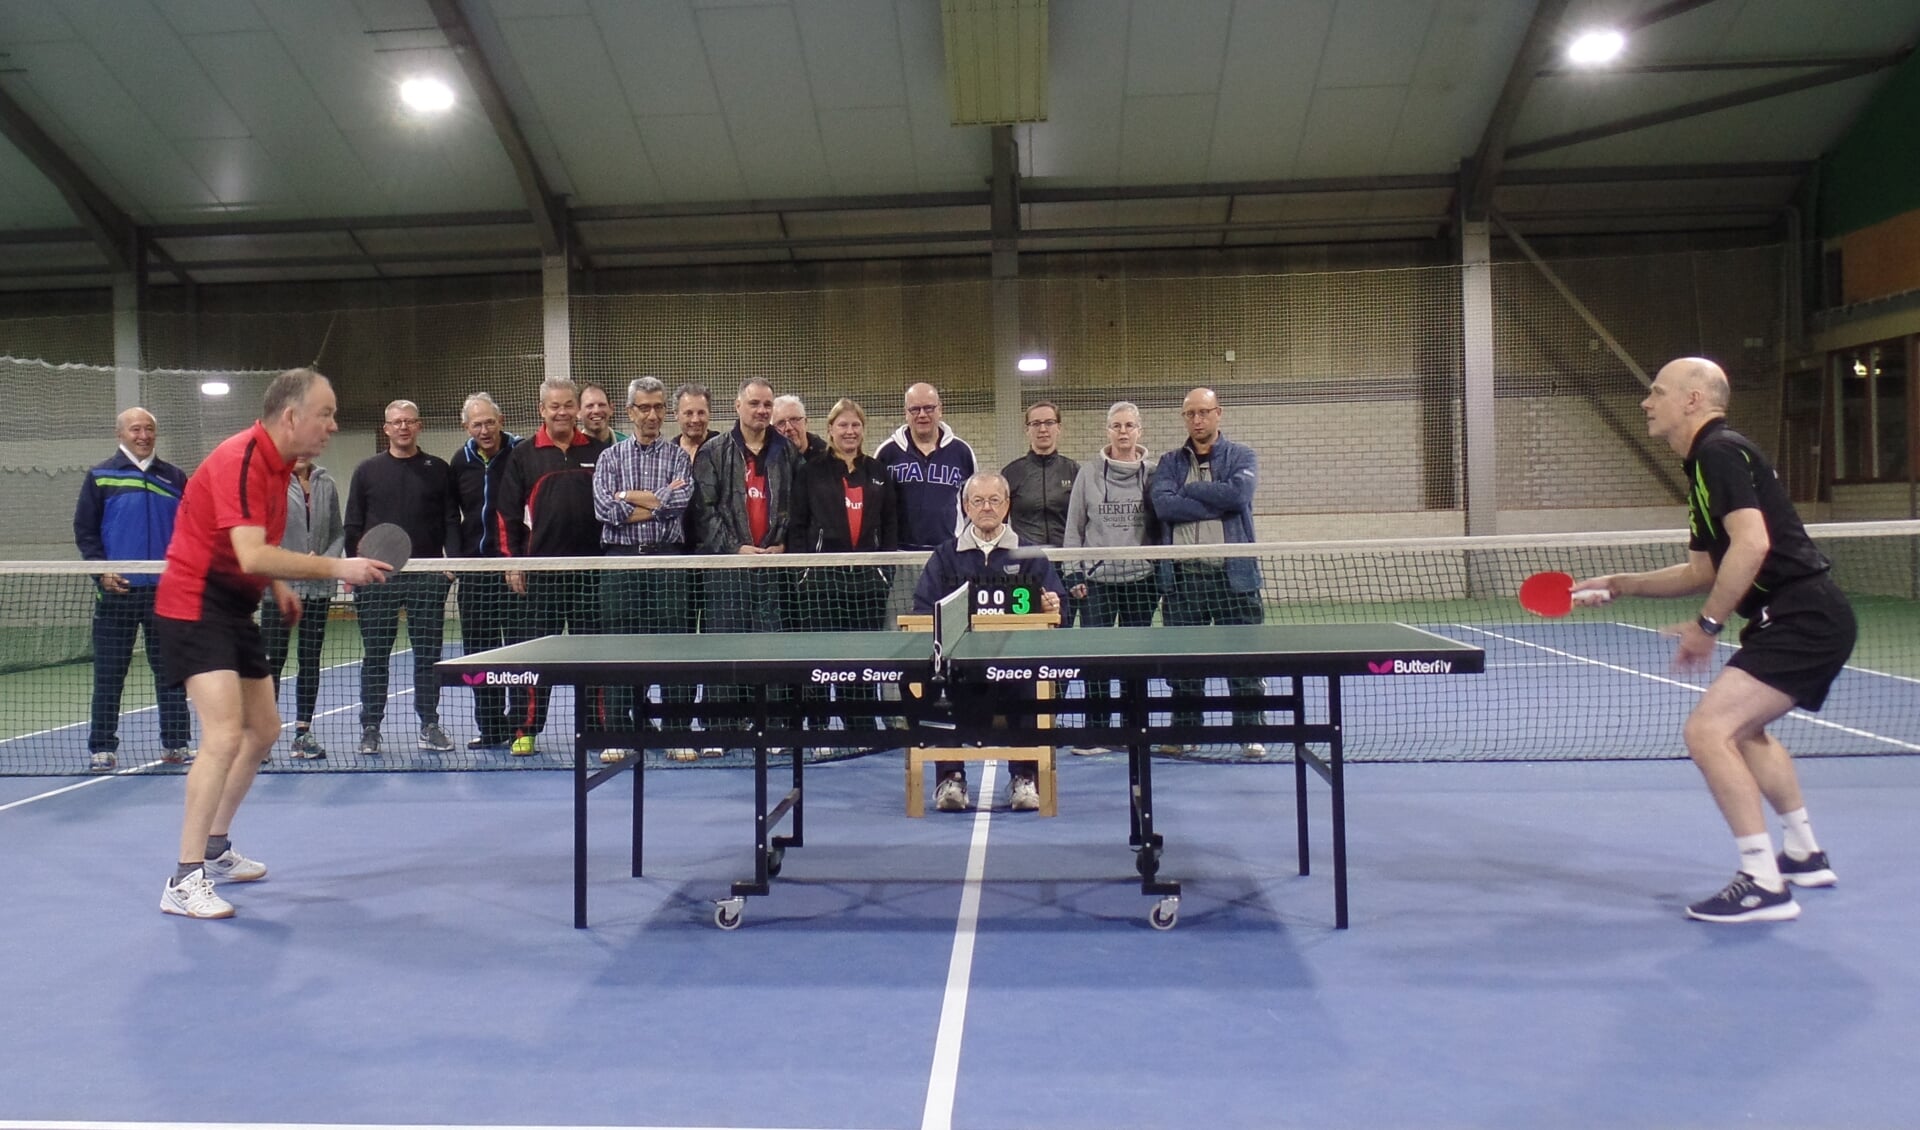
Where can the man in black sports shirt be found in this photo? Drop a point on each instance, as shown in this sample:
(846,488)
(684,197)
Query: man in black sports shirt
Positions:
(1749,553)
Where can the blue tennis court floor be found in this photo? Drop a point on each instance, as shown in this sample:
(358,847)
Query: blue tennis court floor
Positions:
(1517,958)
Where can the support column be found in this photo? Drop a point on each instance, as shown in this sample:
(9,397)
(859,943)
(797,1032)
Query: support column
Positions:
(556,319)
(1477,408)
(126,340)
(1009,425)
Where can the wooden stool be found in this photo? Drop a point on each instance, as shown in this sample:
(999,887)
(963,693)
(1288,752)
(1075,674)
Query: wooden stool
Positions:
(918,756)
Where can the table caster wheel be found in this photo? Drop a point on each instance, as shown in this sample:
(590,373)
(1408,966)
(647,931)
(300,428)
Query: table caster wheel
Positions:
(775,857)
(727,912)
(1147,862)
(1165,913)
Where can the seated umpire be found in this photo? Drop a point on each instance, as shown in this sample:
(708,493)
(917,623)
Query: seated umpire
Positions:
(987,548)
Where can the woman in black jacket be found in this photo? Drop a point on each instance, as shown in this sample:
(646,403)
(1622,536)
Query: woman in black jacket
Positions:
(843,503)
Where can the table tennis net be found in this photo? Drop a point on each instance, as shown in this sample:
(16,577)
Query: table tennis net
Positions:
(1596,684)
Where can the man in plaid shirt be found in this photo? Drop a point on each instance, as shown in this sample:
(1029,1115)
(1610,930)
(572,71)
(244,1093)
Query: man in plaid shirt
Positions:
(641,487)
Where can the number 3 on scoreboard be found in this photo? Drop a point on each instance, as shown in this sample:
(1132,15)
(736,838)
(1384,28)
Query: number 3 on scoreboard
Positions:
(1022,600)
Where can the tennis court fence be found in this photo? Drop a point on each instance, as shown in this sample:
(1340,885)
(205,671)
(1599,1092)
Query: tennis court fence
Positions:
(1595,685)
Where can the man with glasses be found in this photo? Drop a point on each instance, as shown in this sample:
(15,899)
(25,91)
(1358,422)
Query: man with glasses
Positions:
(1202,493)
(927,463)
(413,490)
(790,420)
(1040,485)
(641,488)
(986,547)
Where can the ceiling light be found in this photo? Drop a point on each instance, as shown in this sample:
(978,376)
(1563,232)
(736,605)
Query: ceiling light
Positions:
(427,95)
(1592,48)
(214,388)
(1033,364)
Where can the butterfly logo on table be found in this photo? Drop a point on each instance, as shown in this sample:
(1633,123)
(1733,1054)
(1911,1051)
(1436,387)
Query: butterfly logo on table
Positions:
(500,678)
(1384,667)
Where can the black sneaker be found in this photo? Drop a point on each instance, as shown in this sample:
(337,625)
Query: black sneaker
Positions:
(1813,871)
(369,741)
(1745,900)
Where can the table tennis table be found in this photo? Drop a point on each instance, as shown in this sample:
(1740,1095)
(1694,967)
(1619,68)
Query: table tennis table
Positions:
(976,688)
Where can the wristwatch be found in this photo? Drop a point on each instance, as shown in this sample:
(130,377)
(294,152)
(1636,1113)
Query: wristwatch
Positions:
(1710,626)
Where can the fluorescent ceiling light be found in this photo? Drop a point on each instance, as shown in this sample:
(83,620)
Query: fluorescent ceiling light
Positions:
(1592,48)
(427,95)
(214,388)
(1033,364)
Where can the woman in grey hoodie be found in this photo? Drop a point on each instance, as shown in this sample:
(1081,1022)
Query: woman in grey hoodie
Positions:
(1109,507)
(313,527)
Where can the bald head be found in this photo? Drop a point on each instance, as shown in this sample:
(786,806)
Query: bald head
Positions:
(1685,395)
(1709,379)
(1201,412)
(137,431)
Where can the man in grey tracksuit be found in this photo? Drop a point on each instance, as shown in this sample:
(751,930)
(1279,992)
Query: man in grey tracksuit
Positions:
(1109,506)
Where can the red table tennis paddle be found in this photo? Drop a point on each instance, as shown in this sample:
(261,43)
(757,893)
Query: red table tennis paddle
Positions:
(1551,595)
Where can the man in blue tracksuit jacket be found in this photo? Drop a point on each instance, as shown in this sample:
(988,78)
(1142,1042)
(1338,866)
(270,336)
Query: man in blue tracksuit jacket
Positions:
(125,513)
(1202,493)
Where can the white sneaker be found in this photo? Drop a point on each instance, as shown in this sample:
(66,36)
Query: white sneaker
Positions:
(683,753)
(1023,795)
(1092,750)
(1253,749)
(232,867)
(950,795)
(193,897)
(712,751)
(614,756)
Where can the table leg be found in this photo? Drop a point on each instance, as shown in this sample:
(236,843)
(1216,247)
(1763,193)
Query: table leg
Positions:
(1337,763)
(579,808)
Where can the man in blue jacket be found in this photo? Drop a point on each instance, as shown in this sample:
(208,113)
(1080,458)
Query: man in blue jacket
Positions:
(125,513)
(986,548)
(1202,493)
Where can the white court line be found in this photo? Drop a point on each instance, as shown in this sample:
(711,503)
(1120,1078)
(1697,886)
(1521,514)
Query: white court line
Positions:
(1796,715)
(8,1124)
(1849,667)
(125,714)
(144,766)
(100,780)
(944,1078)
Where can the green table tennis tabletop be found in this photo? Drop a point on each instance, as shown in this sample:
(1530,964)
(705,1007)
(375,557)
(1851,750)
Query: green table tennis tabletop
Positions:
(1316,649)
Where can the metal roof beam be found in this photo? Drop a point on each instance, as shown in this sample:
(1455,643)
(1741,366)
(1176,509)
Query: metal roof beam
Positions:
(111,229)
(1685,110)
(549,215)
(338,224)
(1696,66)
(1481,172)
(1614,174)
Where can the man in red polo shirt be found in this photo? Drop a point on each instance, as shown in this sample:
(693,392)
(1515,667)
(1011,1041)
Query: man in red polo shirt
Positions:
(224,553)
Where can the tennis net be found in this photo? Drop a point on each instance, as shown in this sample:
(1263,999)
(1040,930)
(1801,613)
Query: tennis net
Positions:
(1595,685)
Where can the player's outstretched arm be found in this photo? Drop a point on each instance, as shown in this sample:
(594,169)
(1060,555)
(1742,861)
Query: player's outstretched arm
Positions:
(255,556)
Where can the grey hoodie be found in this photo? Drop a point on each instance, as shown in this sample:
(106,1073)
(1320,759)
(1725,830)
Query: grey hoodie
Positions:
(322,533)
(1109,507)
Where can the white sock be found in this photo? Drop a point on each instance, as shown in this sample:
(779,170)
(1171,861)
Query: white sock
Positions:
(1756,859)
(1796,834)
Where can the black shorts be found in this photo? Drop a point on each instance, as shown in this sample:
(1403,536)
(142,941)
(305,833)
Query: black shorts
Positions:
(218,641)
(1799,640)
